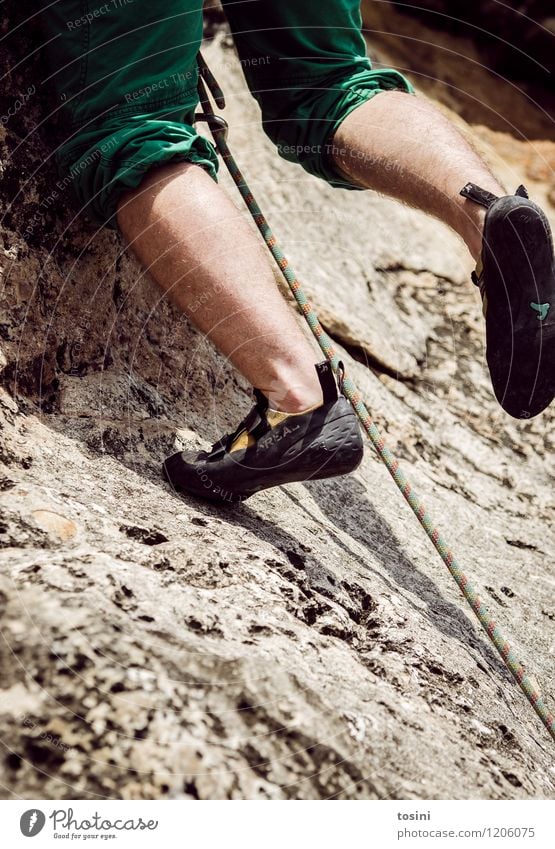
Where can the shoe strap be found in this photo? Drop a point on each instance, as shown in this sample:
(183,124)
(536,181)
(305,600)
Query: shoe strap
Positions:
(327,382)
(260,399)
(484,198)
(473,192)
(255,423)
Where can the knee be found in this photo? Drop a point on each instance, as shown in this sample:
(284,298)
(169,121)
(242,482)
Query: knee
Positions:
(302,121)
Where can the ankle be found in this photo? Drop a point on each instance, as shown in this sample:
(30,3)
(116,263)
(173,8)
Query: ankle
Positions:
(471,216)
(295,399)
(294,395)
(470,226)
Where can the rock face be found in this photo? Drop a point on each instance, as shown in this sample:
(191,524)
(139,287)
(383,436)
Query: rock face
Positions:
(517,36)
(308,644)
(461,59)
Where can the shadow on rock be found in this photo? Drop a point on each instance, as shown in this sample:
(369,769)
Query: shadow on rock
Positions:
(358,517)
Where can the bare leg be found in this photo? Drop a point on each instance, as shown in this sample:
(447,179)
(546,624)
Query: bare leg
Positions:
(402,146)
(193,241)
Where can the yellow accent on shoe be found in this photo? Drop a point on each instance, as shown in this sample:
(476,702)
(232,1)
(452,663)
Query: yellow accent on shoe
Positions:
(274,418)
(242,440)
(478,271)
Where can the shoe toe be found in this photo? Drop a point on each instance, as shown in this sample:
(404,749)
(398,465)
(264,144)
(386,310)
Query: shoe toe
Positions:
(178,468)
(518,280)
(523,375)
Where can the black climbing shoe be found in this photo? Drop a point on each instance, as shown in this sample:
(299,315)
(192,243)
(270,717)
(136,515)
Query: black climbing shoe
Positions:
(270,448)
(516,277)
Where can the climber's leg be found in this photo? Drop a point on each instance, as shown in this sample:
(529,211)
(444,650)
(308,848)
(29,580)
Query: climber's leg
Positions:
(306,64)
(404,147)
(198,247)
(125,80)
(194,242)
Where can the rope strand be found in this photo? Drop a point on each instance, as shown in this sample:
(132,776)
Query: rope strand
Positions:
(494,632)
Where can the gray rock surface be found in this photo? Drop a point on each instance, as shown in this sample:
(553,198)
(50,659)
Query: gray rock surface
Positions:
(309,644)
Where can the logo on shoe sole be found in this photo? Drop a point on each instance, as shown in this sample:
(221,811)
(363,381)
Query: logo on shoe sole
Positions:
(541,309)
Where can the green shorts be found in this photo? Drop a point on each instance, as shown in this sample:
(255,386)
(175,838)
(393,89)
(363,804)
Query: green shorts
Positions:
(124,74)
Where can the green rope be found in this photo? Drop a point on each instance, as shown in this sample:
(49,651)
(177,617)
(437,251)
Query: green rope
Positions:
(526,683)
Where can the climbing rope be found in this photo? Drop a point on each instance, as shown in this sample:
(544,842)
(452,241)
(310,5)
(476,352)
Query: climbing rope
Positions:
(218,127)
